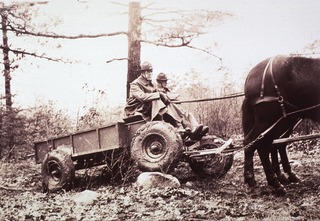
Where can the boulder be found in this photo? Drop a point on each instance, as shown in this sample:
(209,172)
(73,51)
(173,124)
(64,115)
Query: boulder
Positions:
(149,180)
(86,197)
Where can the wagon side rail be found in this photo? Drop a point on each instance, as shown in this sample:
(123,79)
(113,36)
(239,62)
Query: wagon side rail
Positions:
(101,139)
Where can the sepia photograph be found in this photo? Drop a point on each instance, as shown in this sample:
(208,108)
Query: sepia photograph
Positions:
(159,110)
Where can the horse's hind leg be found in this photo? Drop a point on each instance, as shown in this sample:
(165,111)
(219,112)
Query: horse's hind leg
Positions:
(248,123)
(292,177)
(270,175)
(276,164)
(248,168)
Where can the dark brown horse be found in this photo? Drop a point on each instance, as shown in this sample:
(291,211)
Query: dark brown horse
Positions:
(279,92)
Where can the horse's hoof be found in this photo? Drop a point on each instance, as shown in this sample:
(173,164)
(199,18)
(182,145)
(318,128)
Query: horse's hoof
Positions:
(266,190)
(251,183)
(253,191)
(283,179)
(293,178)
(280,191)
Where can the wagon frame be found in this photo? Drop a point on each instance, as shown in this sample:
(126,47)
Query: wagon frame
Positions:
(62,156)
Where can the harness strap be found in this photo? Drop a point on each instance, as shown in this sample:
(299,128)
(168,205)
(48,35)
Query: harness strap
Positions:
(265,99)
(279,98)
(264,76)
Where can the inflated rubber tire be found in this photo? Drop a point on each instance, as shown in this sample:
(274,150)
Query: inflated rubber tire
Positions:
(57,169)
(216,165)
(156,146)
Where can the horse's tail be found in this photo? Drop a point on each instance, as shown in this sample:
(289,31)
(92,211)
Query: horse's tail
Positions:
(247,117)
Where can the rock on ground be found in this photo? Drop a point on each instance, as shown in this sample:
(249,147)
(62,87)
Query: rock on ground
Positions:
(149,180)
(86,197)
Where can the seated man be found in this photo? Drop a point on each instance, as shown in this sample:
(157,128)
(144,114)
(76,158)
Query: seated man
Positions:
(151,104)
(143,98)
(188,119)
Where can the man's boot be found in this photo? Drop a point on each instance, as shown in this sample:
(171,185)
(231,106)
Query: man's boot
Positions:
(195,133)
(184,131)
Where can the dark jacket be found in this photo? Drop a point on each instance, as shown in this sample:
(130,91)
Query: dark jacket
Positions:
(142,93)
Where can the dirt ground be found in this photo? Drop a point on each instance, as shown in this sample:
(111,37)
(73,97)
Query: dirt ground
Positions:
(197,198)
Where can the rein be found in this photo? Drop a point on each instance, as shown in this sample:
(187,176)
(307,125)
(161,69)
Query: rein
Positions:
(209,99)
(263,134)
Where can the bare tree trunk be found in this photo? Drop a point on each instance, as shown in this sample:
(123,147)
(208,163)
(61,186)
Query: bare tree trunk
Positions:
(6,62)
(134,46)
(8,119)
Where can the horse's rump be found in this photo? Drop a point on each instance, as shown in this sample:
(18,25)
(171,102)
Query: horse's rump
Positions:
(293,80)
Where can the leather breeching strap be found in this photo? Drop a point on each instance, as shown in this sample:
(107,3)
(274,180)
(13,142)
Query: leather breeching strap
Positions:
(264,98)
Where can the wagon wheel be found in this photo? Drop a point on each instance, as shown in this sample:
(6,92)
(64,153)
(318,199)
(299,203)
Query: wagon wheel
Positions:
(57,169)
(156,147)
(214,165)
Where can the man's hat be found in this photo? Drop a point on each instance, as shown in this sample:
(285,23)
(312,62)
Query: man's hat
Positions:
(162,77)
(146,66)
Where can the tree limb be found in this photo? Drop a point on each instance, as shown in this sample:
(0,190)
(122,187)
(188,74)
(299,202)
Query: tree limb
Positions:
(34,55)
(184,44)
(52,35)
(205,51)
(116,59)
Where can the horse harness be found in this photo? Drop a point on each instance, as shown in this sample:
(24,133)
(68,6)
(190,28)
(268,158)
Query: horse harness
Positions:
(278,98)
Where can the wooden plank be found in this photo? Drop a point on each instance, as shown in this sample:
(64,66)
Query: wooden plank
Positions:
(292,139)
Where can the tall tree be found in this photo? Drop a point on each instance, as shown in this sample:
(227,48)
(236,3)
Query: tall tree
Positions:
(6,60)
(134,46)
(7,124)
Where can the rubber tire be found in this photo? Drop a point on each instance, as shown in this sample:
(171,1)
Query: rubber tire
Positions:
(157,134)
(215,166)
(58,171)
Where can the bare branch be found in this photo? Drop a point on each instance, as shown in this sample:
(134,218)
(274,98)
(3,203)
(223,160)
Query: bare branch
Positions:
(22,52)
(52,35)
(205,51)
(116,59)
(147,6)
(161,11)
(149,20)
(162,44)
(118,3)
(184,44)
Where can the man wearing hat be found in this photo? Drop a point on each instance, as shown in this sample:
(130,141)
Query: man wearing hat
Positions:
(162,83)
(145,100)
(188,119)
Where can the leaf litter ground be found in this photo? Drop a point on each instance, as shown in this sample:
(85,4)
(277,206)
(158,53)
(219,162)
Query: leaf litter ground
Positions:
(197,198)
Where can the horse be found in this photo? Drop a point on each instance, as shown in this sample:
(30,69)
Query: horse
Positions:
(279,92)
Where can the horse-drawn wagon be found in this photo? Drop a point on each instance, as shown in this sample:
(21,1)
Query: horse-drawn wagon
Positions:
(279,93)
(153,146)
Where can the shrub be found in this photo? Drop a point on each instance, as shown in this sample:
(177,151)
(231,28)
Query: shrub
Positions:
(29,125)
